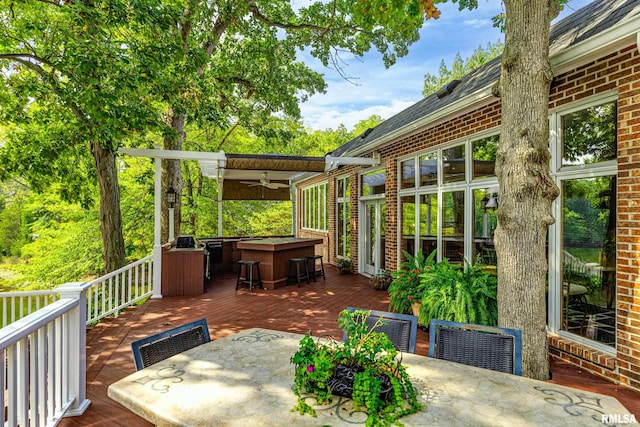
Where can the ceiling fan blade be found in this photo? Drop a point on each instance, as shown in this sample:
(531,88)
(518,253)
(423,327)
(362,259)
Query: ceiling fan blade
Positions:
(250,182)
(275,185)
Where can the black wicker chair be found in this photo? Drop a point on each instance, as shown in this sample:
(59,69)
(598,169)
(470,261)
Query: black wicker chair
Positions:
(163,345)
(400,328)
(489,347)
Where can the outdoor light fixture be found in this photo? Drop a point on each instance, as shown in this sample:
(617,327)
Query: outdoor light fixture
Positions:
(171,201)
(492,203)
(171,197)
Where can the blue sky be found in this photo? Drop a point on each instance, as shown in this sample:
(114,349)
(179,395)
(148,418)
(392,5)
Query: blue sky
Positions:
(386,92)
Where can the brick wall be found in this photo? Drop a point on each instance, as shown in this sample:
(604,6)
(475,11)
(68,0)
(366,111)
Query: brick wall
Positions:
(620,70)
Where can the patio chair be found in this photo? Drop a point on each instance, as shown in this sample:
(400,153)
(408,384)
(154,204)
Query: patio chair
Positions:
(489,347)
(163,345)
(400,328)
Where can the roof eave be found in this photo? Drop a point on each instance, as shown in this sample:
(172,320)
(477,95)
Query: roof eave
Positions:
(615,38)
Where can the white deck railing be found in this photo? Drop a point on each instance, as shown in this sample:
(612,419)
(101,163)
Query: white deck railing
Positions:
(112,293)
(43,342)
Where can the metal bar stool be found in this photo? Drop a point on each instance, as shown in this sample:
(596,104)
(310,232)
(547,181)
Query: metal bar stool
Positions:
(247,279)
(316,270)
(294,267)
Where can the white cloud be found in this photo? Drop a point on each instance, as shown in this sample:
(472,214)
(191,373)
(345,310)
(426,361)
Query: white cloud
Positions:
(332,118)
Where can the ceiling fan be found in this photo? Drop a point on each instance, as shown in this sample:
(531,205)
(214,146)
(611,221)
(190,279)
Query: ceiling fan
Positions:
(265,182)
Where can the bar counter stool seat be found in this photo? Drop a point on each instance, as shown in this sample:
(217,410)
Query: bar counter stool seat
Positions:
(247,278)
(316,270)
(295,272)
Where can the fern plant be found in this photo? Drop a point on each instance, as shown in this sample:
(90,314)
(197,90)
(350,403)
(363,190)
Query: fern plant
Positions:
(451,292)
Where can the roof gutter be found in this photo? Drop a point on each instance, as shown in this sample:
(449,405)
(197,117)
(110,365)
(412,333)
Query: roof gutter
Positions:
(614,38)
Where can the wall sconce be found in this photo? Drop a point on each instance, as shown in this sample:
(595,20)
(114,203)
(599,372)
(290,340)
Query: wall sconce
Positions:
(492,203)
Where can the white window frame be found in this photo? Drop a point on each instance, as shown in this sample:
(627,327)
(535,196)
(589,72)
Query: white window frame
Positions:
(345,200)
(315,202)
(559,174)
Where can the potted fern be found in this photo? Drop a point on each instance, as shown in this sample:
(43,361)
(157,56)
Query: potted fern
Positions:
(365,368)
(452,292)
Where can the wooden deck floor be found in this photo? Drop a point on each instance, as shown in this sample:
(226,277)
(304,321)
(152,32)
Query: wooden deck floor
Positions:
(312,307)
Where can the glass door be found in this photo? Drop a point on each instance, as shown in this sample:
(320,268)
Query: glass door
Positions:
(373,236)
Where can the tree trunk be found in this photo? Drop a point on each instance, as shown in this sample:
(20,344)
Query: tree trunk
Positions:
(110,216)
(526,188)
(171,176)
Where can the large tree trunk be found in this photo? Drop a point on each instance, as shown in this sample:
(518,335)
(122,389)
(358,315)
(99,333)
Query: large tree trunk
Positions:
(110,216)
(171,175)
(526,188)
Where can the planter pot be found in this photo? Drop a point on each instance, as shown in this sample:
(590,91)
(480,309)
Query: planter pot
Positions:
(380,283)
(416,308)
(341,382)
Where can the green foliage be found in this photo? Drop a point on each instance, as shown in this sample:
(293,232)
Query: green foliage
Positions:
(460,67)
(11,236)
(66,245)
(371,355)
(451,292)
(406,287)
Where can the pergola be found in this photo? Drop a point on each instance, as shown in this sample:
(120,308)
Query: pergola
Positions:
(239,177)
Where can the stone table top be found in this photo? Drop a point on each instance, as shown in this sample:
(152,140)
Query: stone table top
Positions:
(246,379)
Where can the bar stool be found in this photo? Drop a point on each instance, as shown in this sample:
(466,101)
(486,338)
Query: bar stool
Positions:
(315,269)
(248,274)
(294,267)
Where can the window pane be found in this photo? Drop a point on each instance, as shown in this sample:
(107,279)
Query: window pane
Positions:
(428,223)
(373,183)
(484,156)
(484,224)
(408,222)
(429,169)
(453,164)
(408,168)
(589,135)
(453,225)
(589,258)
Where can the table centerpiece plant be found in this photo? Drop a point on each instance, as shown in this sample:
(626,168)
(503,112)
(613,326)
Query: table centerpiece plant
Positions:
(374,377)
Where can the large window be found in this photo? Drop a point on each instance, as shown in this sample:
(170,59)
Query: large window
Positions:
(315,207)
(343,217)
(451,187)
(584,277)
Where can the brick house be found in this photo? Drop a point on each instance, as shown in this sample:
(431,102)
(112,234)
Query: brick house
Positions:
(435,187)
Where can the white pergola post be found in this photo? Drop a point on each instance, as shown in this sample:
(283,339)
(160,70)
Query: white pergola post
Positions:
(157,223)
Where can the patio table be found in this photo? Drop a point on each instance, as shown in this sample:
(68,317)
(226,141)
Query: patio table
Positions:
(246,379)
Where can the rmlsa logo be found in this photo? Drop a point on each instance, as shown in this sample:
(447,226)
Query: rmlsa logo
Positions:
(619,419)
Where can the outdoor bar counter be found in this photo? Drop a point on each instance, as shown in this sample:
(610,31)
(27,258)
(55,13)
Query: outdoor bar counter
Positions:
(274,254)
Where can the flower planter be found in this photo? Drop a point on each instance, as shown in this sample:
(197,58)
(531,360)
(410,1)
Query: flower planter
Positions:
(341,383)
